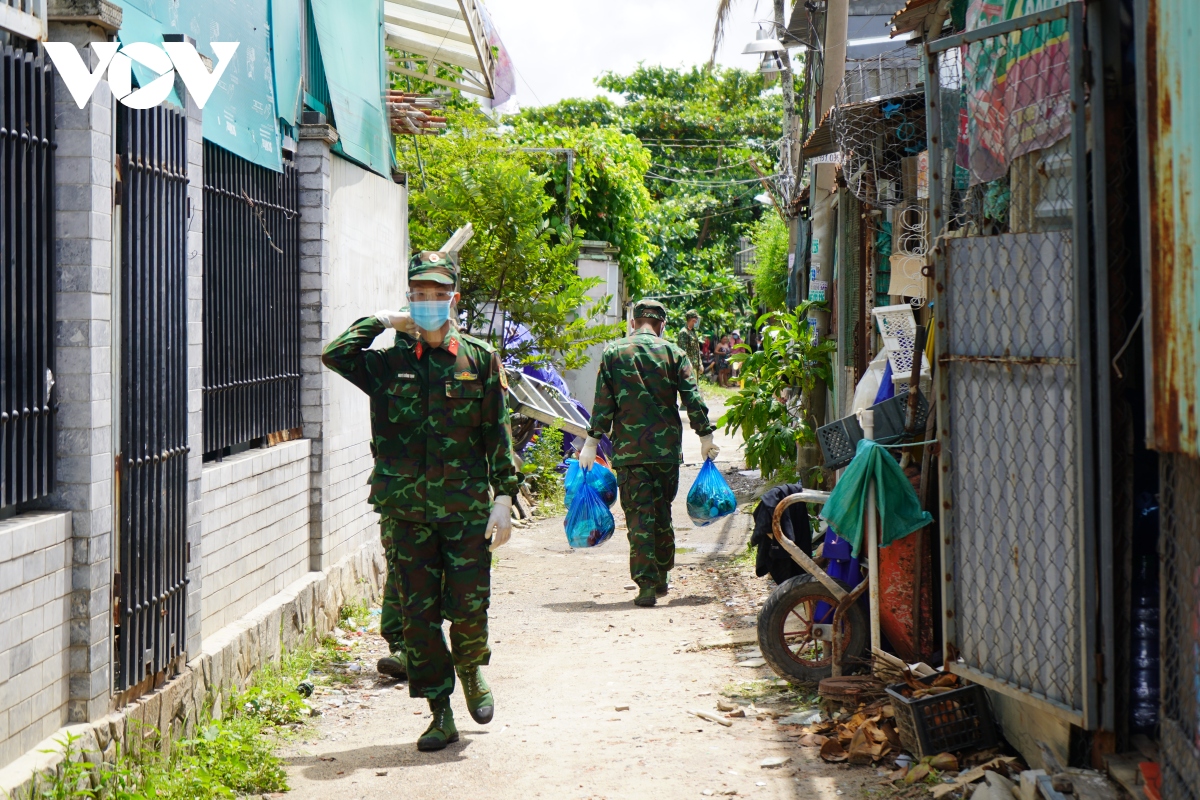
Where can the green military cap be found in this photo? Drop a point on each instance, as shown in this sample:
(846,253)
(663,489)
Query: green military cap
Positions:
(692,314)
(433,266)
(649,309)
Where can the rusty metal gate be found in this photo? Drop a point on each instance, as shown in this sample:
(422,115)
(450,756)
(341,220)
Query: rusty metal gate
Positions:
(26,276)
(152,385)
(1017,343)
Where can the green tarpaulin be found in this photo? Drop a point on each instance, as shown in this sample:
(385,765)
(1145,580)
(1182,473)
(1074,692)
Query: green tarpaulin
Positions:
(240,116)
(285,56)
(351,37)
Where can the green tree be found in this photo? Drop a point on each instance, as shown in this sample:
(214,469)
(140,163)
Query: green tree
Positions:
(516,261)
(773,410)
(770,237)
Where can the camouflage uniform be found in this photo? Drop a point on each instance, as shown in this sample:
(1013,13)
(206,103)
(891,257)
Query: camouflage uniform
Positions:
(689,343)
(443,449)
(391,620)
(639,380)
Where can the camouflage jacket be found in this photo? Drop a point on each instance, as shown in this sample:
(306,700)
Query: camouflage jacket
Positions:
(689,343)
(439,423)
(636,388)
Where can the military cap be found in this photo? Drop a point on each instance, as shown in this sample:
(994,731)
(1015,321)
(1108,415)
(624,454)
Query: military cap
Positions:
(692,314)
(433,266)
(649,309)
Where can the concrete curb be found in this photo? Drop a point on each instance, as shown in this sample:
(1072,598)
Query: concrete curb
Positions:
(301,613)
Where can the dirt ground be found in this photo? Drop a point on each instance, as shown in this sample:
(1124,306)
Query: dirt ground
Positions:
(593,695)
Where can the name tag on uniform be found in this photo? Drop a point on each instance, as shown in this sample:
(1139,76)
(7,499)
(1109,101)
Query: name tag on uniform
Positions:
(408,376)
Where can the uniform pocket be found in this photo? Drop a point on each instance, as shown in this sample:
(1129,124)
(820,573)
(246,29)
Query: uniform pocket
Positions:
(404,402)
(464,405)
(397,483)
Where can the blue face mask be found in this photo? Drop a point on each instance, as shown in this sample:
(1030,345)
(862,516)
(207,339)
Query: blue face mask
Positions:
(430,315)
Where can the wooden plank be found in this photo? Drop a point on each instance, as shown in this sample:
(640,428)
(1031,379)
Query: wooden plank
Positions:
(1123,768)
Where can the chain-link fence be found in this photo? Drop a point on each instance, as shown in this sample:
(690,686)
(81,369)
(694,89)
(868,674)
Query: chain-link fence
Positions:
(1006,170)
(1180,652)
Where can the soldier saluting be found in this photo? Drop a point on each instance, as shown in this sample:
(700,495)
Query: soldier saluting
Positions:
(639,380)
(443,482)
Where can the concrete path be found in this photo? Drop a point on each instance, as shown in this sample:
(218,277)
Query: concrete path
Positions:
(593,694)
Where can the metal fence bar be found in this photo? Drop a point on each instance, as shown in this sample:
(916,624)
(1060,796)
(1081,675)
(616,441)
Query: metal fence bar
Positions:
(152,149)
(27,410)
(251,291)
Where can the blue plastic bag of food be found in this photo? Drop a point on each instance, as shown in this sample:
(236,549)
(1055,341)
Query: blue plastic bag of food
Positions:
(710,497)
(599,476)
(589,522)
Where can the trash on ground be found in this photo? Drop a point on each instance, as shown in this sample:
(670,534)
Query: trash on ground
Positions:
(712,718)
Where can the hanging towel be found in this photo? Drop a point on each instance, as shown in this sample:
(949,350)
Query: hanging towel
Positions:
(899,510)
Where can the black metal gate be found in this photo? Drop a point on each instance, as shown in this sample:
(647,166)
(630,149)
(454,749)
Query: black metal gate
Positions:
(26,276)
(251,299)
(152,463)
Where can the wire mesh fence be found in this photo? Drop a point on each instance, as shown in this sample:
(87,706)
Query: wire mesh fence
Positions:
(1013,322)
(1180,651)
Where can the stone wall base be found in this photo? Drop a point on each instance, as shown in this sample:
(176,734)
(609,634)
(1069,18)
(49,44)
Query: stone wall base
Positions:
(301,614)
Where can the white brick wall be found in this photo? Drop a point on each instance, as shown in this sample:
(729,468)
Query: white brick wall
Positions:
(35,593)
(254,533)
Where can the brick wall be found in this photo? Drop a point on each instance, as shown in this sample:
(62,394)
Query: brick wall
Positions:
(35,593)
(255,530)
(353,230)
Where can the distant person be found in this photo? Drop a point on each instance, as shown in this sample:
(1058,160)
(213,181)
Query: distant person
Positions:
(640,381)
(689,341)
(722,366)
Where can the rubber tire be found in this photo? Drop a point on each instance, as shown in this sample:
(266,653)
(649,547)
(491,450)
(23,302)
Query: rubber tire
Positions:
(770,619)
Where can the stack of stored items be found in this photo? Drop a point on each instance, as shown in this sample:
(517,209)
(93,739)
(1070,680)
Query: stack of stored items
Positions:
(409,114)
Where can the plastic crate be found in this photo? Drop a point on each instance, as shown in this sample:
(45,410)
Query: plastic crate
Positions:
(889,417)
(960,719)
(839,440)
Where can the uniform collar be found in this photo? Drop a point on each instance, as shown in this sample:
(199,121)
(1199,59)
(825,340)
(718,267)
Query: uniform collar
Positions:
(449,344)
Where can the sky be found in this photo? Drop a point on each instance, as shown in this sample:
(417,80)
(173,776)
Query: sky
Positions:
(559,46)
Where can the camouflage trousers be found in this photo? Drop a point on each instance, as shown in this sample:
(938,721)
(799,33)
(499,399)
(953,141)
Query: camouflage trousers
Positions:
(444,572)
(647,491)
(391,621)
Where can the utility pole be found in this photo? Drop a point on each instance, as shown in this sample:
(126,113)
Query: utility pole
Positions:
(837,21)
(787,148)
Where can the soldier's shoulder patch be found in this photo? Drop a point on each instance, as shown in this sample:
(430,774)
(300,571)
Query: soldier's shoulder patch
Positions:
(504,379)
(479,343)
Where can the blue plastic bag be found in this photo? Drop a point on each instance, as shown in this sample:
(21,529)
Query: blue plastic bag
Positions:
(589,522)
(710,497)
(600,477)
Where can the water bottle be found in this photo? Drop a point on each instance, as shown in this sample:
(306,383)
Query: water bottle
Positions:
(1144,648)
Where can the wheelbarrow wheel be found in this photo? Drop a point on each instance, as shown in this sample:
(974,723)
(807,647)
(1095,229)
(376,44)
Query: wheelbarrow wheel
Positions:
(785,630)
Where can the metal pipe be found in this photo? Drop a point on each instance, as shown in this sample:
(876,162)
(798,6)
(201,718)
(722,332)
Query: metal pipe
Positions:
(867,420)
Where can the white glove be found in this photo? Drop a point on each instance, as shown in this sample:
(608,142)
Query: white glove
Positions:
(400,320)
(499,524)
(587,456)
(708,450)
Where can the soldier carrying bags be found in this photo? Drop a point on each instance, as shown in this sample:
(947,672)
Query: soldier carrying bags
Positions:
(443,482)
(640,379)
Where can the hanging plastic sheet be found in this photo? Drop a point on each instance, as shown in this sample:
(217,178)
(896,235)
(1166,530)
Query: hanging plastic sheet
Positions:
(285,58)
(240,114)
(351,38)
